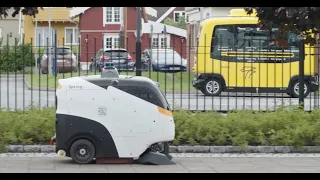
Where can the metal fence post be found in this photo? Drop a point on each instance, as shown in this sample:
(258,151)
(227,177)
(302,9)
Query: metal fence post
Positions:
(301,74)
(138,43)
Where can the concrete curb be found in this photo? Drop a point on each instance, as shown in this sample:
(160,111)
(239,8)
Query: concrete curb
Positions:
(186,149)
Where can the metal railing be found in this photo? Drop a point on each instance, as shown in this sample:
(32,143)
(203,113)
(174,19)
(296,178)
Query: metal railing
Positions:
(224,78)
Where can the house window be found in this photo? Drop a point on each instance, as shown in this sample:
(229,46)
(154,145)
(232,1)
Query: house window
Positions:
(177,14)
(155,43)
(42,37)
(111,41)
(71,36)
(112,15)
(160,41)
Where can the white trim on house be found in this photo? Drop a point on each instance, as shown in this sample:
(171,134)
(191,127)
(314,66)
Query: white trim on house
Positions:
(74,38)
(105,22)
(180,14)
(74,12)
(80,10)
(165,15)
(158,41)
(151,11)
(114,38)
(158,28)
(191,11)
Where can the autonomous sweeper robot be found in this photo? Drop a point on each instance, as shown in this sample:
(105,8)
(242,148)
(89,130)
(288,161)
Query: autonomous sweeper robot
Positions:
(113,117)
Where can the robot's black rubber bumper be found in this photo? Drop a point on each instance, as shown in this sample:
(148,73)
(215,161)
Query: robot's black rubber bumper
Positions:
(71,128)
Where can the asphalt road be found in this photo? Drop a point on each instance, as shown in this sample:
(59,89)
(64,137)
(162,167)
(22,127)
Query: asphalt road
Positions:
(15,95)
(183,165)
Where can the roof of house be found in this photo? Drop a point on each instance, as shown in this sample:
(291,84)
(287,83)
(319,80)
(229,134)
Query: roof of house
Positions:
(57,14)
(80,10)
(159,27)
(163,13)
(166,14)
(160,12)
(191,8)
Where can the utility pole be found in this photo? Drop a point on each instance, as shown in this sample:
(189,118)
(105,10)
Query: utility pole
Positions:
(201,14)
(125,27)
(138,43)
(20,32)
(50,44)
(151,45)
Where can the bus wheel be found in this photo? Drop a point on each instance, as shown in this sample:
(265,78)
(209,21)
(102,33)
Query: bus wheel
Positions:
(295,89)
(212,87)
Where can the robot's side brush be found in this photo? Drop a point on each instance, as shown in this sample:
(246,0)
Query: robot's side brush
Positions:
(52,139)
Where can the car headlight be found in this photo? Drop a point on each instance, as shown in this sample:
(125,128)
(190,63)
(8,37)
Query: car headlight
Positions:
(184,62)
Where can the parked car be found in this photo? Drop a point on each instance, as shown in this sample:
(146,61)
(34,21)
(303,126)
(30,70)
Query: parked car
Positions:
(164,60)
(119,57)
(66,60)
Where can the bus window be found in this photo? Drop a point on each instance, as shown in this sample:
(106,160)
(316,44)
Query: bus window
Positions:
(250,38)
(222,39)
(253,39)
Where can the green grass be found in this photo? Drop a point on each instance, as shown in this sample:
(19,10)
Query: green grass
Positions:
(168,81)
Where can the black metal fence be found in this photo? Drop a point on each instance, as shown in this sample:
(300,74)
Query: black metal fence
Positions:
(228,75)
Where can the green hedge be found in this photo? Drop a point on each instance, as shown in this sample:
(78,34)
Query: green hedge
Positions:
(285,127)
(16,58)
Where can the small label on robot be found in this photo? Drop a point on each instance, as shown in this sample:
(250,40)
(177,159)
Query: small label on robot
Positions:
(102,111)
(75,87)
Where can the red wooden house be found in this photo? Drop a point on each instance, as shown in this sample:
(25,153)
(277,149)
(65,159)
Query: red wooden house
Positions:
(100,28)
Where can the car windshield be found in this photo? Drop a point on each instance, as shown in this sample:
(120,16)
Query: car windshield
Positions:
(117,53)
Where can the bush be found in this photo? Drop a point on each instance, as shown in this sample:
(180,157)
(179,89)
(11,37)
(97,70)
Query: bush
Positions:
(285,127)
(16,58)
(33,126)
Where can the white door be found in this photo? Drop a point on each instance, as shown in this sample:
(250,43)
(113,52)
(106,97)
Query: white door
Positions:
(111,41)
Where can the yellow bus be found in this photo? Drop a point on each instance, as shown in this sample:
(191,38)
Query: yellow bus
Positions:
(234,55)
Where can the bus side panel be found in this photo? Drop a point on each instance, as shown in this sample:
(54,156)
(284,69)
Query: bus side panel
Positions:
(247,74)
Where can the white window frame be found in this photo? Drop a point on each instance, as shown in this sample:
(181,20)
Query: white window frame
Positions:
(180,14)
(75,39)
(113,36)
(160,36)
(43,40)
(113,15)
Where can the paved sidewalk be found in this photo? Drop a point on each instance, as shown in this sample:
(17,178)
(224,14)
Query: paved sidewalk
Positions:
(184,165)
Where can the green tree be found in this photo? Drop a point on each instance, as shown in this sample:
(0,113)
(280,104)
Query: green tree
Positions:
(299,20)
(31,11)
(180,24)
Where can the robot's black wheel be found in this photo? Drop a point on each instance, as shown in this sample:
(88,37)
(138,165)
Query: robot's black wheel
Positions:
(82,151)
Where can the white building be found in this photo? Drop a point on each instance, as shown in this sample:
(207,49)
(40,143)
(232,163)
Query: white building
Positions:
(193,13)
